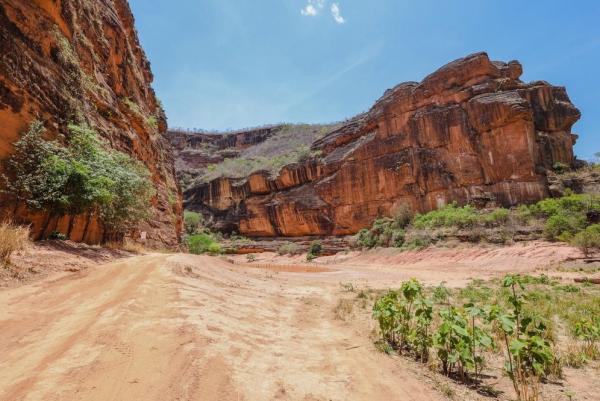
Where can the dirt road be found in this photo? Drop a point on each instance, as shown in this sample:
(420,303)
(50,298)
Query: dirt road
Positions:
(182,327)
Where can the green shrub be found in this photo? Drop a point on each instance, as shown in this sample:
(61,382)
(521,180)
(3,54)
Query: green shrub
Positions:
(314,250)
(384,232)
(567,205)
(193,222)
(560,168)
(365,239)
(447,216)
(588,240)
(495,217)
(563,226)
(203,243)
(81,177)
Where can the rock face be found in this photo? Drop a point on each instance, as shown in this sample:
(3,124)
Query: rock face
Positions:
(69,61)
(470,132)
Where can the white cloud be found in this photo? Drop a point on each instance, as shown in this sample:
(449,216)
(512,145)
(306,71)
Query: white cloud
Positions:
(309,10)
(312,8)
(337,13)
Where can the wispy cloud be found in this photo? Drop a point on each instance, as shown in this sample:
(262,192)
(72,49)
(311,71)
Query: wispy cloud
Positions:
(337,13)
(312,8)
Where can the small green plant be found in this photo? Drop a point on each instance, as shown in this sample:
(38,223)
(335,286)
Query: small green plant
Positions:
(560,168)
(250,258)
(453,343)
(152,122)
(588,331)
(528,352)
(57,235)
(386,311)
(314,250)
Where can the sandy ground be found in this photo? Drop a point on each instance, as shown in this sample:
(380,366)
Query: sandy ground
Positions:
(182,327)
(44,258)
(454,266)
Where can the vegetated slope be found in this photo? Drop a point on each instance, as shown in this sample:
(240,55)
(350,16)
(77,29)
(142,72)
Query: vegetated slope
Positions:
(79,61)
(470,132)
(202,157)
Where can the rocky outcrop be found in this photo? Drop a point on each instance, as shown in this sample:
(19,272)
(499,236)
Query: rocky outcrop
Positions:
(69,61)
(470,132)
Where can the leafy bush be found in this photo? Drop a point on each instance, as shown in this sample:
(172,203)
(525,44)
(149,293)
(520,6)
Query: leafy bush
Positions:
(203,243)
(193,222)
(563,226)
(82,177)
(251,258)
(384,232)
(288,248)
(448,216)
(13,238)
(495,217)
(588,240)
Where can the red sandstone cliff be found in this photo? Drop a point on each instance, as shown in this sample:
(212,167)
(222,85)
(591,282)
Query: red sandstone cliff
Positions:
(80,60)
(470,132)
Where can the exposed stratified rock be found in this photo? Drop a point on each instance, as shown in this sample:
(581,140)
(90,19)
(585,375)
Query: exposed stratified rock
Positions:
(470,132)
(71,60)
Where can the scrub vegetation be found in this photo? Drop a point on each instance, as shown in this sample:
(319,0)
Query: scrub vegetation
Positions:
(532,326)
(77,175)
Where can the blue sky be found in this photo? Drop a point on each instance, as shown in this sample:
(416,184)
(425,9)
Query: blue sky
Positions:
(221,64)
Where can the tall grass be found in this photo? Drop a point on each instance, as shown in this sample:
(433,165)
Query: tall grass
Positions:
(13,238)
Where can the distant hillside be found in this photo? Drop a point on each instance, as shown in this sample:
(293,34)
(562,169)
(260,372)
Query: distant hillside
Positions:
(205,156)
(471,132)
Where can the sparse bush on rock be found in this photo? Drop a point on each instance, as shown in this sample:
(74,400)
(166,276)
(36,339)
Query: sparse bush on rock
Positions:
(193,222)
(79,176)
(289,248)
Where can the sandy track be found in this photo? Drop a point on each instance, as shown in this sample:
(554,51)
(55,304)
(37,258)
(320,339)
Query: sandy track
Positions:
(185,327)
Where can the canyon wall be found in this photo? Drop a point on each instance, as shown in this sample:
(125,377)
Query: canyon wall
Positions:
(67,61)
(472,132)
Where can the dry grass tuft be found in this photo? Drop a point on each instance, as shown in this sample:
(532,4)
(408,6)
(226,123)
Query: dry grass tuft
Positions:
(127,245)
(344,309)
(13,238)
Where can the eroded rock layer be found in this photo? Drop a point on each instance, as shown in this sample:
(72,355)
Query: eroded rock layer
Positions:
(69,61)
(470,132)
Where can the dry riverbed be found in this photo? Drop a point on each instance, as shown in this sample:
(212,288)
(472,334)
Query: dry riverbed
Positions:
(183,327)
